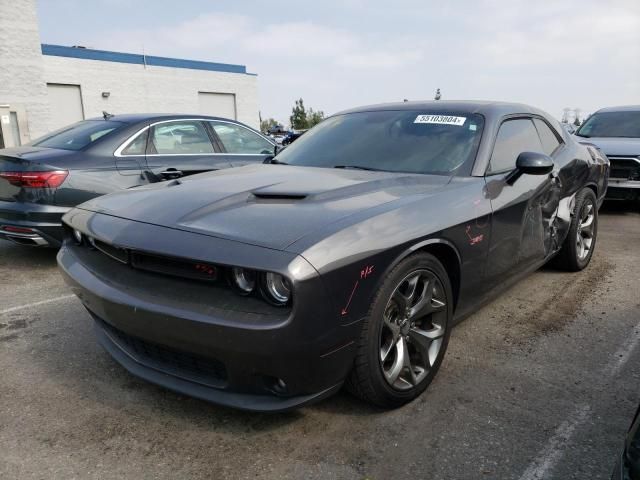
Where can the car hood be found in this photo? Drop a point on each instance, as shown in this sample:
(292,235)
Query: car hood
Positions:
(615,147)
(267,205)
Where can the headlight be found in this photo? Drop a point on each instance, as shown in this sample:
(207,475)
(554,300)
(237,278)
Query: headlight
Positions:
(244,281)
(275,288)
(77,236)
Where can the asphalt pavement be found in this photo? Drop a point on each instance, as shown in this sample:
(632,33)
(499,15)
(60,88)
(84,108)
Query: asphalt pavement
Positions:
(542,383)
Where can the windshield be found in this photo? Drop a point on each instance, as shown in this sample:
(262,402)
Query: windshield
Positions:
(79,135)
(611,124)
(395,141)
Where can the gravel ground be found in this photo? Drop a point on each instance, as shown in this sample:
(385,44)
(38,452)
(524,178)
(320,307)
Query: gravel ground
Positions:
(541,383)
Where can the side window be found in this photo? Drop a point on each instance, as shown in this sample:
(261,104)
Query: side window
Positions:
(237,139)
(138,146)
(549,140)
(514,137)
(181,137)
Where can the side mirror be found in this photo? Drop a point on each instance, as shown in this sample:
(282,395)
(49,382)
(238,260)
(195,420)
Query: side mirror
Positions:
(531,163)
(534,163)
(276,149)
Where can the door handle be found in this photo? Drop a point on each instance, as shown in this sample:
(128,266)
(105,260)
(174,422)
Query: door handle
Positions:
(171,173)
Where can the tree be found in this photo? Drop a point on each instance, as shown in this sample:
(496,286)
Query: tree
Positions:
(301,118)
(577,122)
(314,118)
(298,118)
(265,125)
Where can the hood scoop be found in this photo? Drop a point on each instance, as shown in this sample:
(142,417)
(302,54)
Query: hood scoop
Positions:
(279,195)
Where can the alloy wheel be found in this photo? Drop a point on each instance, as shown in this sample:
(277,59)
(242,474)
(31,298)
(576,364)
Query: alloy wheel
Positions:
(413,330)
(585,230)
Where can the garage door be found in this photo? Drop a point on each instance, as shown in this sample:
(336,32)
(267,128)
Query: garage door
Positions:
(217,104)
(66,104)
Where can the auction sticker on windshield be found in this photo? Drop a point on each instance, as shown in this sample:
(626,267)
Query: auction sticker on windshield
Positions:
(441,119)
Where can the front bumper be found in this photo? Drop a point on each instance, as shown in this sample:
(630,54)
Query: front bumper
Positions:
(623,189)
(165,331)
(45,221)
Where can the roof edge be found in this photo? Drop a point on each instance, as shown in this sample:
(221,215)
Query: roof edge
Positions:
(139,59)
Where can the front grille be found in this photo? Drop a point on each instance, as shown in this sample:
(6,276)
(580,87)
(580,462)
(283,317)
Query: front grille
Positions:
(185,365)
(174,267)
(119,254)
(625,168)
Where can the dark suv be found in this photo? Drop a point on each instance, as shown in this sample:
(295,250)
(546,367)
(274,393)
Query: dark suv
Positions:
(616,132)
(40,182)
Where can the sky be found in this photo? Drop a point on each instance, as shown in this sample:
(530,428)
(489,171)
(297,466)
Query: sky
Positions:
(338,54)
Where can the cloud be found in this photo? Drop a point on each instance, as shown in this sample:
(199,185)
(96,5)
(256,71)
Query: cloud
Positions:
(376,60)
(581,53)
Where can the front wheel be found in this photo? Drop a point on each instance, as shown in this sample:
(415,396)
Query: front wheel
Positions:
(405,334)
(580,243)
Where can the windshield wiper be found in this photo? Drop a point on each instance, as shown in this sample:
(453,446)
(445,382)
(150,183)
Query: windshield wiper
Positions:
(582,135)
(359,167)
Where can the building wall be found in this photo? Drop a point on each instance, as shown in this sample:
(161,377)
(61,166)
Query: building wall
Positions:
(139,89)
(22,84)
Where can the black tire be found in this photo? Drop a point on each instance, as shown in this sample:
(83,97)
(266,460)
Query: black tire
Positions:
(367,379)
(570,257)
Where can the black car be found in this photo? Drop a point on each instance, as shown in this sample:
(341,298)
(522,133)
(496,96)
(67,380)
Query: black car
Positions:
(292,136)
(616,132)
(345,260)
(628,465)
(41,181)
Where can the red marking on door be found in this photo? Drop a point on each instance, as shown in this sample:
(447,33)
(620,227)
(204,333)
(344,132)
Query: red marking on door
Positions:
(346,307)
(366,271)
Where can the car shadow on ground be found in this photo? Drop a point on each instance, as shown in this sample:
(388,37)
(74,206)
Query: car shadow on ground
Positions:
(619,207)
(19,256)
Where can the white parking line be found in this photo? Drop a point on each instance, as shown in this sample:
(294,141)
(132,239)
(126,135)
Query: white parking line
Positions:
(623,354)
(35,304)
(548,457)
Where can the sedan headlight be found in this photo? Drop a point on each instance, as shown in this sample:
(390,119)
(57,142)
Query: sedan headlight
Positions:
(275,288)
(243,280)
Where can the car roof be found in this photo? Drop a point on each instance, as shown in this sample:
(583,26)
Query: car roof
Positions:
(483,107)
(624,108)
(143,117)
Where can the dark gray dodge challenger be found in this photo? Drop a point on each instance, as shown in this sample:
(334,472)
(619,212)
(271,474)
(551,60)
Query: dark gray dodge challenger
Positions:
(344,260)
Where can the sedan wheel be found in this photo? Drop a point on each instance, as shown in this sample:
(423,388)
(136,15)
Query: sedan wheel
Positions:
(405,334)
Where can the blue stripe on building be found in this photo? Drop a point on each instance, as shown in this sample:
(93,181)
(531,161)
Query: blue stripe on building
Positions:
(133,58)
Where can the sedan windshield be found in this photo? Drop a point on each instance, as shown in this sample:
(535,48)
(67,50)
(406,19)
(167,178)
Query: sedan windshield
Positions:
(611,124)
(394,141)
(79,135)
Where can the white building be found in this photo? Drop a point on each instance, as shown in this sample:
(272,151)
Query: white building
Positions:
(45,87)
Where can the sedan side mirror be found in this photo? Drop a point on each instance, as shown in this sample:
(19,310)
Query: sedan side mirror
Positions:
(531,163)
